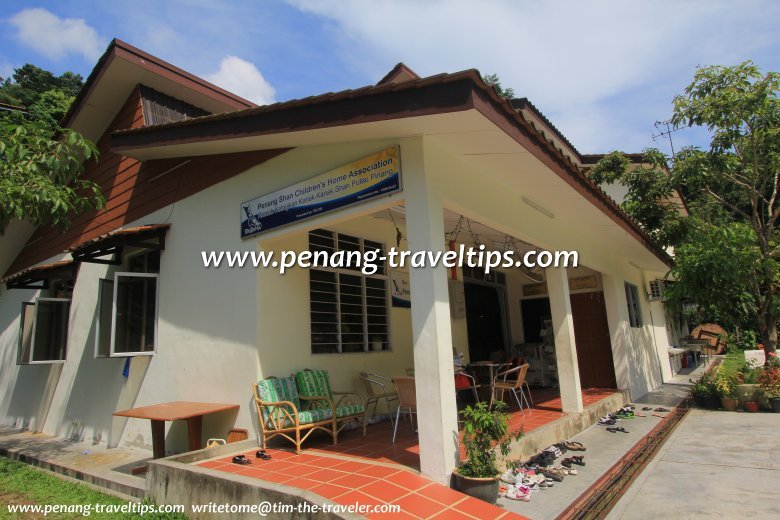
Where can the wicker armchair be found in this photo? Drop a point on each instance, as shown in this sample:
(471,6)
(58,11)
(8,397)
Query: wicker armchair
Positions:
(280,413)
(349,407)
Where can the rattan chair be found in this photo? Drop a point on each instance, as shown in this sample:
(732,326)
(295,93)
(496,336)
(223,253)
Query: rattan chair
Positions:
(407,400)
(511,380)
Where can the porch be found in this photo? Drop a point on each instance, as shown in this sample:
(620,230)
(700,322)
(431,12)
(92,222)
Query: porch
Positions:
(372,471)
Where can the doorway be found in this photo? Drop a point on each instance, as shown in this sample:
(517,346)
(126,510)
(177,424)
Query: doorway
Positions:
(594,347)
(485,319)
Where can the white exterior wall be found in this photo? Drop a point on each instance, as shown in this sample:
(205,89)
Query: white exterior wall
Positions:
(222,329)
(208,349)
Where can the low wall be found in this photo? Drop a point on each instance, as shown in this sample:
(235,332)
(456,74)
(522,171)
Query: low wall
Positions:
(177,480)
(566,427)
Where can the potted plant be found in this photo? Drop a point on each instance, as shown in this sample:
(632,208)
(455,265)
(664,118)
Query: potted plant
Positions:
(485,431)
(748,390)
(726,382)
(701,390)
(769,381)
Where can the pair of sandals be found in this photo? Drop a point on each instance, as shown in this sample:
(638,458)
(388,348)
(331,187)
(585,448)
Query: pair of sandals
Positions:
(567,462)
(607,420)
(574,446)
(553,473)
(260,454)
(615,430)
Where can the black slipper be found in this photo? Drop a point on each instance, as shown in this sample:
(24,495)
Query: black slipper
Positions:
(261,454)
(612,429)
(621,429)
(241,459)
(646,409)
(660,410)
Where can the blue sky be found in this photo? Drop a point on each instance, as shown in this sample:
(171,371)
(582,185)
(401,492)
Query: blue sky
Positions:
(603,71)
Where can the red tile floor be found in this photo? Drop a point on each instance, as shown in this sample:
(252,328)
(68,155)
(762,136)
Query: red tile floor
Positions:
(371,470)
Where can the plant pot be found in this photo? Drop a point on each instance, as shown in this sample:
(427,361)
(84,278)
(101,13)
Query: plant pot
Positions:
(747,392)
(485,489)
(730,404)
(712,402)
(751,406)
(775,403)
(700,400)
(377,345)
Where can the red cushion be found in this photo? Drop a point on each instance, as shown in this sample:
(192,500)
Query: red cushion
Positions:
(462,382)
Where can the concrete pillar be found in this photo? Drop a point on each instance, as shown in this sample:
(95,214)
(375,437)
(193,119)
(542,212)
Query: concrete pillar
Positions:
(434,374)
(565,345)
(617,318)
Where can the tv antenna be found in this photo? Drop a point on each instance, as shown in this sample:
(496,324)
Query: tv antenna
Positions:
(665,129)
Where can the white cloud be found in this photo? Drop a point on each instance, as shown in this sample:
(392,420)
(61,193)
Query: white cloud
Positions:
(241,77)
(567,56)
(56,37)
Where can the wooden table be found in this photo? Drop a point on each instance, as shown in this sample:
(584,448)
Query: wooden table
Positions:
(177,410)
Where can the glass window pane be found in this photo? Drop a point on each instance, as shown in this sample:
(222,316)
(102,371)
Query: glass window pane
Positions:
(135,319)
(105,308)
(24,352)
(51,330)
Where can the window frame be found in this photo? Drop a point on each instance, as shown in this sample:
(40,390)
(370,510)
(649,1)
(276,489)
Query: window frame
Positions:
(634,306)
(33,329)
(384,276)
(130,274)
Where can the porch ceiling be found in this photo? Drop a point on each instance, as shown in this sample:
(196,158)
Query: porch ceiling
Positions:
(468,135)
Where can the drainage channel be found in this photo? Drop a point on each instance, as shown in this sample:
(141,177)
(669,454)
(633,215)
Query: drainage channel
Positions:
(600,498)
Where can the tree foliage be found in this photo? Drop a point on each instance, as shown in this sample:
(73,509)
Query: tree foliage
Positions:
(727,250)
(651,199)
(41,163)
(494,81)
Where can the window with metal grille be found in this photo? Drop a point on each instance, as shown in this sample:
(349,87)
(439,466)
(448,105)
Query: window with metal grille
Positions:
(634,310)
(349,310)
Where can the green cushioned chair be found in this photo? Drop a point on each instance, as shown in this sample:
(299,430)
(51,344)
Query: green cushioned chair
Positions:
(348,408)
(280,412)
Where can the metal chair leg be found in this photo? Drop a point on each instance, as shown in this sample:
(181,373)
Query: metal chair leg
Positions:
(397,418)
(519,402)
(525,384)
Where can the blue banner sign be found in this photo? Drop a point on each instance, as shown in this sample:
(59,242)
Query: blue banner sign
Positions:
(375,175)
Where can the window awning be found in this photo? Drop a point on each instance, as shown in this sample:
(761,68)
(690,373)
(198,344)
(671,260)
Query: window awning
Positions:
(151,237)
(38,277)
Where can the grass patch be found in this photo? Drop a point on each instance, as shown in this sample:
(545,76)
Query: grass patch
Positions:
(24,484)
(734,360)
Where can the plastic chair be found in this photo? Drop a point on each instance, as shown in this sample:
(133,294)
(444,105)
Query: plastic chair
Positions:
(378,388)
(503,382)
(407,400)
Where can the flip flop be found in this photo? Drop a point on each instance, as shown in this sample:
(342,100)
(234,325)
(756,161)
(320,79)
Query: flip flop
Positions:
(659,415)
(578,459)
(662,410)
(647,409)
(241,459)
(575,446)
(261,454)
(621,429)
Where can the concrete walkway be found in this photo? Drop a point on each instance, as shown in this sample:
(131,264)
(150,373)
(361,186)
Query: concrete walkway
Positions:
(715,464)
(605,449)
(110,469)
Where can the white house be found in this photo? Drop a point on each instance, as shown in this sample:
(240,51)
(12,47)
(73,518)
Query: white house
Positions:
(119,310)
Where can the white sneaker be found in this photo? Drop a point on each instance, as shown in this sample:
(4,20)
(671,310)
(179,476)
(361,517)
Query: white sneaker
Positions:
(509,477)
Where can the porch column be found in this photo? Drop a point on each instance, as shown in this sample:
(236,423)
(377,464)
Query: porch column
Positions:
(434,374)
(565,346)
(617,317)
